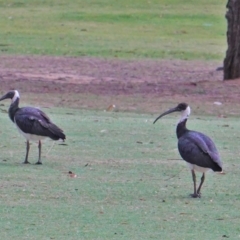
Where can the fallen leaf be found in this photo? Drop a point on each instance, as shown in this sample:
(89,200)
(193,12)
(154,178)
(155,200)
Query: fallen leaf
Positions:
(72,175)
(111,108)
(222,116)
(225,236)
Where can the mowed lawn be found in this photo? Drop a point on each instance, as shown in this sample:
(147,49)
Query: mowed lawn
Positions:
(130,180)
(124,29)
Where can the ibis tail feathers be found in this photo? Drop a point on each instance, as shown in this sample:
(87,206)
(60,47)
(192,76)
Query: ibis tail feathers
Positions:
(56,132)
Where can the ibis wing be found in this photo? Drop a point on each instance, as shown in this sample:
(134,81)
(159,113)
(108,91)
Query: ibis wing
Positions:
(34,121)
(31,121)
(199,149)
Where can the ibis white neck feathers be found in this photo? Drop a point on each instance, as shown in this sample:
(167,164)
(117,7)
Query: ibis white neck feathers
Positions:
(185,114)
(16,95)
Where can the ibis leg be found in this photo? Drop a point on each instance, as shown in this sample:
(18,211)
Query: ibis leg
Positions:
(200,185)
(39,152)
(27,151)
(195,194)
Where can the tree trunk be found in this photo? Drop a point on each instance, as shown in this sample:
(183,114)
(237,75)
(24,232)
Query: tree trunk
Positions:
(232,59)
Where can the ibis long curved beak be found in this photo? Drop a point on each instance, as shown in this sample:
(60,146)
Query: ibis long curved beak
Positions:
(4,97)
(175,109)
(9,95)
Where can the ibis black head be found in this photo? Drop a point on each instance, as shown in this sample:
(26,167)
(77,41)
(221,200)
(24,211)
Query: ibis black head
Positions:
(11,95)
(181,107)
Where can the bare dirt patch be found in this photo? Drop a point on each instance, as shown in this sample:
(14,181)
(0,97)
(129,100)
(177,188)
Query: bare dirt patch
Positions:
(156,79)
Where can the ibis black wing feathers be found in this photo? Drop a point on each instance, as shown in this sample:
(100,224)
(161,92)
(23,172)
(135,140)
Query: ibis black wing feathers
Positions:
(197,148)
(34,121)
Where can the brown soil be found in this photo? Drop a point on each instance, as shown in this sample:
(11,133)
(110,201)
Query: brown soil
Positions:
(160,80)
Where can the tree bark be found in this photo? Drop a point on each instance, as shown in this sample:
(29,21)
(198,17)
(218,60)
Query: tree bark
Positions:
(232,60)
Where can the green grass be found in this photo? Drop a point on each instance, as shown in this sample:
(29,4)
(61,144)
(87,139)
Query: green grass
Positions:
(137,29)
(131,183)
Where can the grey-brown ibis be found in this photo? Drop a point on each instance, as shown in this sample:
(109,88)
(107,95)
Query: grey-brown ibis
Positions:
(197,149)
(32,123)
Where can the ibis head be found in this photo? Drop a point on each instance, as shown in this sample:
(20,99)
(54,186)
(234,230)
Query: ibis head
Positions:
(181,107)
(13,94)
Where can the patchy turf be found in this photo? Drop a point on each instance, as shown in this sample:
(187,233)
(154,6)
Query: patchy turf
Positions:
(134,86)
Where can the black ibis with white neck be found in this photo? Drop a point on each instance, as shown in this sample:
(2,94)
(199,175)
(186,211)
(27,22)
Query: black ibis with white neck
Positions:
(197,149)
(32,123)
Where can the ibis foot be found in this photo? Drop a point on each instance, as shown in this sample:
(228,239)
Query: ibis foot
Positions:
(38,163)
(26,162)
(196,195)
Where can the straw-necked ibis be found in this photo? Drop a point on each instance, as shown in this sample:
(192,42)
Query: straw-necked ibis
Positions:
(197,149)
(32,123)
